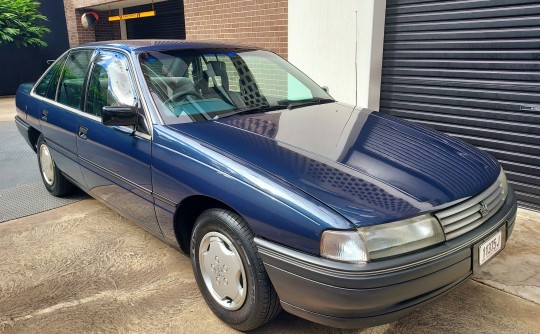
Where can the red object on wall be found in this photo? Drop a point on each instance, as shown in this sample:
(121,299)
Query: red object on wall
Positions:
(89,19)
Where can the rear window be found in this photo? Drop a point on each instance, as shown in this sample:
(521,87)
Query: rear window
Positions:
(47,83)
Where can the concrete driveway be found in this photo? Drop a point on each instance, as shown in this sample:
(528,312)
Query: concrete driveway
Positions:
(82,268)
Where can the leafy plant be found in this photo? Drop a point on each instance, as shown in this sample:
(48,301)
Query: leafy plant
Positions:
(20,23)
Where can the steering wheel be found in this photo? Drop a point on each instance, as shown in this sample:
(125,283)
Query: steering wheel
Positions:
(179,96)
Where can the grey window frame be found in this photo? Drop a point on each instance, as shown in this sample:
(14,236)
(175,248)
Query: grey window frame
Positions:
(60,62)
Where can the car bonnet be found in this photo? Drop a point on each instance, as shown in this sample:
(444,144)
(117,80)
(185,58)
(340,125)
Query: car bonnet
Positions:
(370,167)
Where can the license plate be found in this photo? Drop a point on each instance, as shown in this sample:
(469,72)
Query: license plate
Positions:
(490,247)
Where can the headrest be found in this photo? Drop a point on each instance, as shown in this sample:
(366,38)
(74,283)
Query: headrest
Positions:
(219,67)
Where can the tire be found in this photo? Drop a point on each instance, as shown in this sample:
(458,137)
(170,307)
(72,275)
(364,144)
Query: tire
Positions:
(53,179)
(241,294)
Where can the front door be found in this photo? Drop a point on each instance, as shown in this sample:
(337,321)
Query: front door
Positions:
(115,160)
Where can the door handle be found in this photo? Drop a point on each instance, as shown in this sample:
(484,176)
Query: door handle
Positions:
(83,132)
(44,114)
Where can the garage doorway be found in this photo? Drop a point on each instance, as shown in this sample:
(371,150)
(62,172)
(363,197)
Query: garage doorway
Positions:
(470,69)
(169,22)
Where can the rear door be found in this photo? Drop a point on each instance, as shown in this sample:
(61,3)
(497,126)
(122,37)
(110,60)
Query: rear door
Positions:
(59,110)
(115,160)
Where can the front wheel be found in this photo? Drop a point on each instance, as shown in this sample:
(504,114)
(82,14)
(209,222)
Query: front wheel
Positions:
(53,179)
(229,271)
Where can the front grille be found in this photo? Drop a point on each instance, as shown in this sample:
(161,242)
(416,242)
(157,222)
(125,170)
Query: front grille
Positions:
(465,216)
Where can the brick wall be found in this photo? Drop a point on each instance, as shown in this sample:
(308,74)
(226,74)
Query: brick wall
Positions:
(105,30)
(262,23)
(76,33)
(84,35)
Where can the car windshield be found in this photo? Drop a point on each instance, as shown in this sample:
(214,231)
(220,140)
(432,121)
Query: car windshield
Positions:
(199,85)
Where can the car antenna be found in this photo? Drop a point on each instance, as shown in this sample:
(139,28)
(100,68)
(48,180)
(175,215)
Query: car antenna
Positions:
(356,59)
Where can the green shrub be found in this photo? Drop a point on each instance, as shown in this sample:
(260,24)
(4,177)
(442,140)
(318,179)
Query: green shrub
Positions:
(20,23)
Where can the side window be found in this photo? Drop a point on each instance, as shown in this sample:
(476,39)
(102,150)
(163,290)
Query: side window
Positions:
(110,83)
(72,81)
(53,86)
(47,82)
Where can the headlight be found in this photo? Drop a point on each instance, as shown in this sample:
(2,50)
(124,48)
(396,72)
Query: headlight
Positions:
(384,240)
(402,237)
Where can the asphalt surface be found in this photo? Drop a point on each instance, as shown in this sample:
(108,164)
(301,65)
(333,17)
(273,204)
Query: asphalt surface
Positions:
(81,268)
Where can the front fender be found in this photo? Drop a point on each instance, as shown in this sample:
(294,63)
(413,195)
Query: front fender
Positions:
(275,210)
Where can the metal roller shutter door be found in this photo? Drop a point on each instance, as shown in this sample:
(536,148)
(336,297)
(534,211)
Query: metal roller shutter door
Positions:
(167,24)
(470,69)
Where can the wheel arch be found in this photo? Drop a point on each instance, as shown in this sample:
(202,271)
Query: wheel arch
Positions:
(187,212)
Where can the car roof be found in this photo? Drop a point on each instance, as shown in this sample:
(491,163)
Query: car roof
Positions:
(167,44)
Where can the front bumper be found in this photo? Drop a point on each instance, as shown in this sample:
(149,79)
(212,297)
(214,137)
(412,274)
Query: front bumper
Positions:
(363,295)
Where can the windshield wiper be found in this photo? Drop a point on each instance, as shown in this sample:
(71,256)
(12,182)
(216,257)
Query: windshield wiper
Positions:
(250,110)
(299,104)
(266,108)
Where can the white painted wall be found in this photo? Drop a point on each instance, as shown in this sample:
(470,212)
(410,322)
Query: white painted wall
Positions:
(322,45)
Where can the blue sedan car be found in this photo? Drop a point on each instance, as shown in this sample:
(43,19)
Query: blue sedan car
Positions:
(283,197)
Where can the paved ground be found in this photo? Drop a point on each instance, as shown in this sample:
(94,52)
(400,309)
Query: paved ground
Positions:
(82,268)
(17,161)
(19,178)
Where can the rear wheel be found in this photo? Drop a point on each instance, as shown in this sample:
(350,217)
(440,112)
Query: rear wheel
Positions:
(229,271)
(53,179)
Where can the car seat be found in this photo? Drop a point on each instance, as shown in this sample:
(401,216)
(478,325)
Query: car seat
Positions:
(219,90)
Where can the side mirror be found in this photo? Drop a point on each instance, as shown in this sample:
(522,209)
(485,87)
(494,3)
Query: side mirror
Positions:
(122,116)
(326,89)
